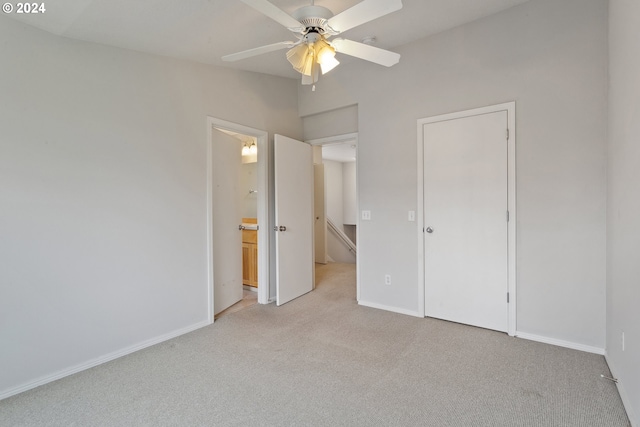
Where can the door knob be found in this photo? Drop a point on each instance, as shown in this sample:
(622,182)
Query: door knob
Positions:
(280,228)
(429,230)
(241,227)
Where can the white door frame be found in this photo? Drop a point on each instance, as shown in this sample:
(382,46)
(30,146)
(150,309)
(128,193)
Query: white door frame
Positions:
(263,206)
(510,108)
(337,139)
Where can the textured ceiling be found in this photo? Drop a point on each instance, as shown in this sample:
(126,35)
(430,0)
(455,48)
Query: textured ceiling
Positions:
(205,30)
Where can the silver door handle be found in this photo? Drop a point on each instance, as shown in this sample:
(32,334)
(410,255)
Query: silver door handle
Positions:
(241,227)
(280,228)
(429,230)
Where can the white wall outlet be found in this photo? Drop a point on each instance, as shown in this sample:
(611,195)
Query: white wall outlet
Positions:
(623,341)
(366,215)
(412,215)
(387,279)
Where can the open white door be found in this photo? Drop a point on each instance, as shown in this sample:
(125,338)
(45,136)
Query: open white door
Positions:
(293,218)
(227,216)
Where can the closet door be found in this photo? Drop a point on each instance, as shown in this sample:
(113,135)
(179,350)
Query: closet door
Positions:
(465,219)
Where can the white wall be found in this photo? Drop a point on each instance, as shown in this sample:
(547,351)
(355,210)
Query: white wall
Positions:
(340,121)
(623,243)
(333,191)
(349,205)
(341,192)
(249,176)
(317,154)
(551,58)
(103,195)
(335,199)
(337,250)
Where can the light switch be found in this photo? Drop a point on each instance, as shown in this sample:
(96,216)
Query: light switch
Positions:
(412,215)
(366,215)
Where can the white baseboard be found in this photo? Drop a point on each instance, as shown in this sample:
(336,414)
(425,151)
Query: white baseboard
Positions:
(560,343)
(98,361)
(389,308)
(623,393)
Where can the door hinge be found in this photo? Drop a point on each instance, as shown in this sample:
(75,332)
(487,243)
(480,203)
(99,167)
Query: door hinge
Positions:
(507,134)
(507,297)
(507,216)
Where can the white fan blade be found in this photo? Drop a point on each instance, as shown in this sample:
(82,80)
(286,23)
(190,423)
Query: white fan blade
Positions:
(257,51)
(366,52)
(273,12)
(365,11)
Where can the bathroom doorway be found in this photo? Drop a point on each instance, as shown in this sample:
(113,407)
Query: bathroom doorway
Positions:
(238,237)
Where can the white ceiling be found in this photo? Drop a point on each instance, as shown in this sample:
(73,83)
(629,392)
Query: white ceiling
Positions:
(344,152)
(205,30)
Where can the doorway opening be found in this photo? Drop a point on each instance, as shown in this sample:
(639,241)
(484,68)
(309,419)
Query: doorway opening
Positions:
(336,201)
(237,210)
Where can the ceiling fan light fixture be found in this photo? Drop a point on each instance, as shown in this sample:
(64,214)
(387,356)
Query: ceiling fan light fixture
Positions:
(327,59)
(307,80)
(297,56)
(303,58)
(309,63)
(329,64)
(312,77)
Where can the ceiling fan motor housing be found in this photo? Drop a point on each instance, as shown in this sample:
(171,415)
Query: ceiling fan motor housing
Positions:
(313,17)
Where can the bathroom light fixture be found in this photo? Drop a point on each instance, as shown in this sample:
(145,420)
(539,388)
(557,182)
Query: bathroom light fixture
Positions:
(248,150)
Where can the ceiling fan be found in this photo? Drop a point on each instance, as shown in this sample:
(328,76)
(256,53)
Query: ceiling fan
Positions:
(313,26)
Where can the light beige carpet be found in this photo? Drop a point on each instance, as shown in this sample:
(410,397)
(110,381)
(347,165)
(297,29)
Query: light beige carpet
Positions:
(324,360)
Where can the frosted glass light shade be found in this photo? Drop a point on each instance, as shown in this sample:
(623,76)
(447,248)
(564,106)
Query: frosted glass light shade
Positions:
(312,77)
(328,64)
(326,57)
(298,56)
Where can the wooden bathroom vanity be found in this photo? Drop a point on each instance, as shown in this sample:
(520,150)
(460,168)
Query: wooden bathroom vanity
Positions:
(250,252)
